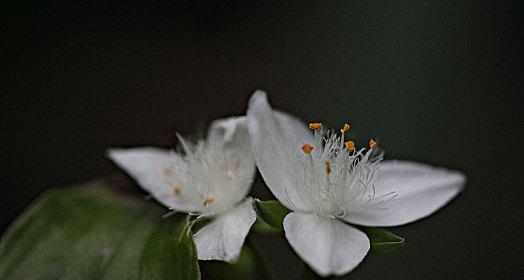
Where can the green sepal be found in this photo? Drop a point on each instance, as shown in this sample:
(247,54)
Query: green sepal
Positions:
(270,215)
(382,240)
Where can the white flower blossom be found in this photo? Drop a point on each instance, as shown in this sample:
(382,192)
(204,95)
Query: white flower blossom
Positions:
(211,178)
(328,185)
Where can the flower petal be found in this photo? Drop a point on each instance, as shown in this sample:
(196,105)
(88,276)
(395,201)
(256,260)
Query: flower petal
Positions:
(223,238)
(422,190)
(328,245)
(231,136)
(296,130)
(147,166)
(228,131)
(275,141)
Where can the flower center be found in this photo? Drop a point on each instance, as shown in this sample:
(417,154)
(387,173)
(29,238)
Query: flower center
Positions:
(332,174)
(204,177)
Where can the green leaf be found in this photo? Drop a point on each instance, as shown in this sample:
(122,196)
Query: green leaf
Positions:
(381,239)
(89,233)
(270,216)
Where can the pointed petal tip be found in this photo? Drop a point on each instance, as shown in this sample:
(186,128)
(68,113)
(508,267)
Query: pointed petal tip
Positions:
(116,155)
(111,153)
(457,179)
(462,178)
(422,190)
(260,92)
(258,96)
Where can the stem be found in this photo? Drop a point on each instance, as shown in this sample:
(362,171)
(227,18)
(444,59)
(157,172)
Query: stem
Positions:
(263,266)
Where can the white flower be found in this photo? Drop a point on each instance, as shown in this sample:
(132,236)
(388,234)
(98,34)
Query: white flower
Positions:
(328,184)
(210,178)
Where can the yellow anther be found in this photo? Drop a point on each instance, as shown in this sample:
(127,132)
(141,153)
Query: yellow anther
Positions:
(345,128)
(207,201)
(372,144)
(315,126)
(328,167)
(307,148)
(167,172)
(350,145)
(177,191)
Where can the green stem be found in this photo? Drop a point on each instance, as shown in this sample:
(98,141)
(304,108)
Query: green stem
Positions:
(263,266)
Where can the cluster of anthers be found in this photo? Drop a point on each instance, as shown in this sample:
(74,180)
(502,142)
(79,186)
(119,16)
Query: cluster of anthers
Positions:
(207,180)
(334,178)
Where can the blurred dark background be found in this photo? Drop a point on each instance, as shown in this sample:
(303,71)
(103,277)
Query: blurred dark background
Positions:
(434,82)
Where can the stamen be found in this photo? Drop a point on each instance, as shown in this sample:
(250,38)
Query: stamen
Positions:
(372,144)
(315,126)
(350,145)
(345,128)
(307,148)
(328,167)
(207,201)
(348,174)
(177,191)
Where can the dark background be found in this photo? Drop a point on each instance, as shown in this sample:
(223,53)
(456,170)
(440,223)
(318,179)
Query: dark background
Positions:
(435,82)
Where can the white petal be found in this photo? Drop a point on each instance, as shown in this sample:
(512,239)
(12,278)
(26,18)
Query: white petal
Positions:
(276,139)
(295,130)
(224,131)
(146,165)
(231,136)
(329,246)
(223,238)
(422,190)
